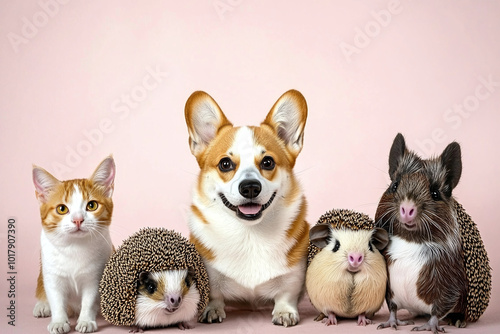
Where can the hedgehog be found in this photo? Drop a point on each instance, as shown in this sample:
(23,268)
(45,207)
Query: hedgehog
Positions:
(346,272)
(156,278)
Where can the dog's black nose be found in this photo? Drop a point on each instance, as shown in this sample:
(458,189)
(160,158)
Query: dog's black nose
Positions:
(250,188)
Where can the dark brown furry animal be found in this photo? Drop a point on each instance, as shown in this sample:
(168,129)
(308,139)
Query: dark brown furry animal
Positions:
(436,260)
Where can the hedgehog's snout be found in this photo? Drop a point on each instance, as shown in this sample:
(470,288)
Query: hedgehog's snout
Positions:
(173,301)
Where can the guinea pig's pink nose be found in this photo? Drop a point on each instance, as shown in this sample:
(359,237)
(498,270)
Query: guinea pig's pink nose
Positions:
(173,301)
(355,259)
(407,211)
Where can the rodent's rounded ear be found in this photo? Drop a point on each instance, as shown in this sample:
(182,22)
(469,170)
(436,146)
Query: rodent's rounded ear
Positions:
(398,149)
(380,238)
(451,158)
(143,276)
(319,235)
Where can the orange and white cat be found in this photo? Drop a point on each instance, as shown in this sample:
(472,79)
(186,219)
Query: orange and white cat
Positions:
(75,245)
(247,218)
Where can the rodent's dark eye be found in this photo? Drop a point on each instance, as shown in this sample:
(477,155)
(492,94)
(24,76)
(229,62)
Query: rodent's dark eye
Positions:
(394,186)
(336,247)
(62,209)
(435,195)
(226,165)
(370,247)
(151,287)
(267,163)
(92,206)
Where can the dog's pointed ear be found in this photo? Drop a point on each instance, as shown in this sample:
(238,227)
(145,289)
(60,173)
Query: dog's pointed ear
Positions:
(204,119)
(288,119)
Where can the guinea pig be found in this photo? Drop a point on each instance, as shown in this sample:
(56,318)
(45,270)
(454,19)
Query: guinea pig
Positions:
(347,276)
(431,241)
(166,298)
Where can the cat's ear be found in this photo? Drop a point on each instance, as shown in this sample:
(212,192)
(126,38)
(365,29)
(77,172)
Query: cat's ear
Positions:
(44,183)
(104,175)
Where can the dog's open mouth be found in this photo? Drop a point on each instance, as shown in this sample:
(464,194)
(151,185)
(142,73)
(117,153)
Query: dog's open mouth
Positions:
(248,211)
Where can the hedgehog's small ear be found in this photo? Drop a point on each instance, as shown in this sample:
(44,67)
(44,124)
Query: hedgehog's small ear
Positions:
(398,149)
(319,235)
(380,238)
(143,276)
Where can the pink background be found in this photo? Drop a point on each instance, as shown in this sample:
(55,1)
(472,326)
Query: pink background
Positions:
(368,70)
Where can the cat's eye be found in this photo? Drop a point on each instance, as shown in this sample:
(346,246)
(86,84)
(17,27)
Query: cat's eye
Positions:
(267,163)
(92,206)
(62,209)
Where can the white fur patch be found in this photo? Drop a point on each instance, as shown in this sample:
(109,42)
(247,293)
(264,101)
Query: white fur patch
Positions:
(408,259)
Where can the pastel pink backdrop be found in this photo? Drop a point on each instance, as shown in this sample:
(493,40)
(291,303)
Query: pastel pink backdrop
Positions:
(81,80)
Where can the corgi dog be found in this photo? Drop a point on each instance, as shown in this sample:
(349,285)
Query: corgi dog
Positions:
(247,217)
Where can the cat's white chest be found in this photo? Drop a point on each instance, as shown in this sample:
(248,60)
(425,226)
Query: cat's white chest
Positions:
(407,261)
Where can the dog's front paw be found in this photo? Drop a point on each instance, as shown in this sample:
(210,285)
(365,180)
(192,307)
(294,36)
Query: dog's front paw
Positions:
(214,312)
(41,310)
(86,326)
(59,327)
(285,318)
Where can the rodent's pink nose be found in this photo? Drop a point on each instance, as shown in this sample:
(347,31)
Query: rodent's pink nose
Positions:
(355,259)
(173,301)
(407,211)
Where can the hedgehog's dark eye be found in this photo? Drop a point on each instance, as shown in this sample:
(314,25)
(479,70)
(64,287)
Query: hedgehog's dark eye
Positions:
(370,247)
(151,287)
(435,194)
(394,186)
(226,165)
(336,247)
(267,163)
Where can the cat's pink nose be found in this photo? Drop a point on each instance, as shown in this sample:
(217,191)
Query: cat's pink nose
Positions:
(77,219)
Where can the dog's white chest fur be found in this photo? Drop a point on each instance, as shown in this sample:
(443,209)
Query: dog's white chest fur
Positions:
(408,259)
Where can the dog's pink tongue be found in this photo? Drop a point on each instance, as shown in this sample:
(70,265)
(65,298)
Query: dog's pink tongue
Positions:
(251,209)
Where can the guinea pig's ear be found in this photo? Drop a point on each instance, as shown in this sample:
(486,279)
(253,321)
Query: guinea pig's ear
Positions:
(380,238)
(143,276)
(398,149)
(191,274)
(319,235)
(451,158)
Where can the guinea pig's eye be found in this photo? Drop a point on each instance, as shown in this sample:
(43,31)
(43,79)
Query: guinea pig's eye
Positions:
(226,165)
(267,163)
(435,195)
(336,247)
(394,186)
(62,209)
(151,287)
(92,206)
(370,246)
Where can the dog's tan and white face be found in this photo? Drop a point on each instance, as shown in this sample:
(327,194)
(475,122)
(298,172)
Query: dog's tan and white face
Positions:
(247,218)
(244,168)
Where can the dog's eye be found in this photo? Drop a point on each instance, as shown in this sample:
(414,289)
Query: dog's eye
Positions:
(226,165)
(267,163)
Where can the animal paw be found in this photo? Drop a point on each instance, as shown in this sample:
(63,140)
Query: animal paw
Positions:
(213,313)
(285,318)
(363,320)
(86,326)
(41,310)
(330,320)
(136,329)
(432,325)
(183,325)
(59,327)
(394,323)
